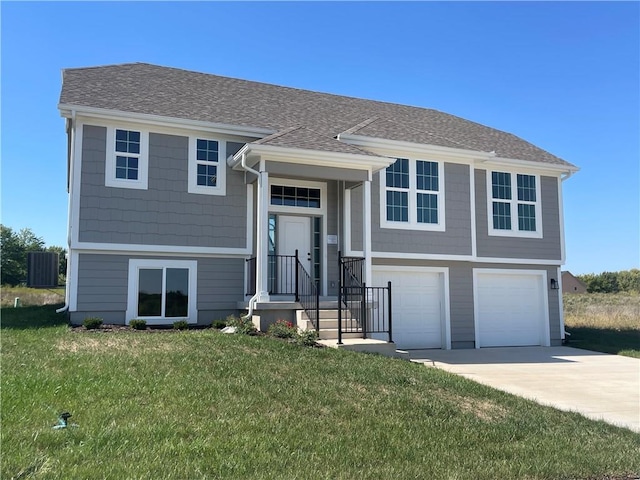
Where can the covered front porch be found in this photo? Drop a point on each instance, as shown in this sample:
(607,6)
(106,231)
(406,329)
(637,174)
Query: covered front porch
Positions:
(297,272)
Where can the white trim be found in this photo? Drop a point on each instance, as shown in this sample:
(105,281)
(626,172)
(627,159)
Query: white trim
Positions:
(135,264)
(316,157)
(560,303)
(346,223)
(306,212)
(545,337)
(116,115)
(159,249)
(74,221)
(286,182)
(110,179)
(462,258)
(473,210)
(221,177)
(250,220)
(513,202)
(444,271)
(366,231)
(72,280)
(412,191)
(563,252)
(381,144)
(500,162)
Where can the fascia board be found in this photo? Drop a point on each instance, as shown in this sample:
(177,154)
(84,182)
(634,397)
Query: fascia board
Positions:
(320,158)
(239,130)
(529,165)
(416,148)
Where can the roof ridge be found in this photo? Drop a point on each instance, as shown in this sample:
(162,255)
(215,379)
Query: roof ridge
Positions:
(359,126)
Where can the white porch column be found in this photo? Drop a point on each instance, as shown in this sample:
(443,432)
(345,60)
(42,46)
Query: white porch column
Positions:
(366,230)
(262,238)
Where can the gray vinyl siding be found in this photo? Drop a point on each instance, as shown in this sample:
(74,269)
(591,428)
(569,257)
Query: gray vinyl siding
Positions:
(332,229)
(455,240)
(103,287)
(546,248)
(461,296)
(165,213)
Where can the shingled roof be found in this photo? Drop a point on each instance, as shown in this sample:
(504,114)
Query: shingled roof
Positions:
(298,118)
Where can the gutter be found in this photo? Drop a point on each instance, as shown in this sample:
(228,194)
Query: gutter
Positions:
(246,168)
(72,146)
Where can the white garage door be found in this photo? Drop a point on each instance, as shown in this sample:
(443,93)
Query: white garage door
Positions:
(417,302)
(510,309)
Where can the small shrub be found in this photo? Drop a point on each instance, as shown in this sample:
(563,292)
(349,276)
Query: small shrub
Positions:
(219,324)
(242,325)
(307,338)
(283,329)
(138,324)
(92,323)
(180,325)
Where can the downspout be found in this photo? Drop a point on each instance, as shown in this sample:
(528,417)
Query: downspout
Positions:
(246,168)
(72,130)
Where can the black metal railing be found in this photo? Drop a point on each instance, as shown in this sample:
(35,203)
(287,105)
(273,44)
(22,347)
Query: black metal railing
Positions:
(281,277)
(308,295)
(287,276)
(361,309)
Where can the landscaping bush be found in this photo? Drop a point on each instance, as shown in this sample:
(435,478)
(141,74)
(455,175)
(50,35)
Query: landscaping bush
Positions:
(138,324)
(180,325)
(92,323)
(307,338)
(283,329)
(242,325)
(219,324)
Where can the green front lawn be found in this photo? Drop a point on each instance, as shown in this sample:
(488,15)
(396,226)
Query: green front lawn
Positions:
(202,404)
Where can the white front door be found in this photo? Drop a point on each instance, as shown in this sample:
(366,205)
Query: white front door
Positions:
(293,233)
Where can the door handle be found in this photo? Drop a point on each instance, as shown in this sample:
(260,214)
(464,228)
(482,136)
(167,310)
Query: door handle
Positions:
(309,256)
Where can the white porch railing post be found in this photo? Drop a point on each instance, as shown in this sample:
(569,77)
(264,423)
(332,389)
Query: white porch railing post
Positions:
(262,238)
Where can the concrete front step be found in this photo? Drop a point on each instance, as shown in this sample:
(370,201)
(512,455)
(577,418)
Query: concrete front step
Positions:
(368,345)
(332,334)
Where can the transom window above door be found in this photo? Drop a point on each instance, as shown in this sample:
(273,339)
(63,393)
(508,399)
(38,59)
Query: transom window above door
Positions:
(290,196)
(412,195)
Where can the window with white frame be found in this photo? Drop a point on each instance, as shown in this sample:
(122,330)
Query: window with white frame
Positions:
(514,204)
(207,169)
(412,195)
(162,291)
(127,159)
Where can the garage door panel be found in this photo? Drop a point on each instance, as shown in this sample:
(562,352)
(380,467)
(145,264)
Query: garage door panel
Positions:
(510,309)
(417,307)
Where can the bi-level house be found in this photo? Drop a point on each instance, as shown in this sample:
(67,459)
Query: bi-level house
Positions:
(194,196)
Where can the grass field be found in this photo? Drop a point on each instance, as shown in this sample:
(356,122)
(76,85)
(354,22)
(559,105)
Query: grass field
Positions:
(607,323)
(201,404)
(30,297)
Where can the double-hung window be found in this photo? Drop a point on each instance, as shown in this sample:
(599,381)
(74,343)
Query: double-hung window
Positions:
(514,204)
(127,160)
(207,168)
(412,195)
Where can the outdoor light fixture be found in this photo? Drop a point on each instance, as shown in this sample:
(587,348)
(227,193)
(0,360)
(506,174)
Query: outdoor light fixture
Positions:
(554,284)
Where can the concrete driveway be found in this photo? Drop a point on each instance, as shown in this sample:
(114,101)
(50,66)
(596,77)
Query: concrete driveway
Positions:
(597,385)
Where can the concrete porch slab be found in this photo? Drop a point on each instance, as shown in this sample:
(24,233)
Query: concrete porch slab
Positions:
(366,345)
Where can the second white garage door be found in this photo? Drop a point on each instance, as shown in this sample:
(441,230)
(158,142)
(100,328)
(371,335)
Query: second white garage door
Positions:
(418,306)
(510,309)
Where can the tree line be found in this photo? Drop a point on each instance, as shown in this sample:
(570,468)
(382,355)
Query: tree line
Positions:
(612,282)
(15,246)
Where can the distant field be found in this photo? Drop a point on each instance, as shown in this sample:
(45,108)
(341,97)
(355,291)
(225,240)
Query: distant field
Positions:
(604,322)
(31,297)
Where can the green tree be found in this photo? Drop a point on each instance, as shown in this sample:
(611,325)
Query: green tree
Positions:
(15,247)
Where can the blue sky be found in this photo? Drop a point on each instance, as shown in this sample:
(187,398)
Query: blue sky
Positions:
(564,76)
